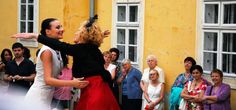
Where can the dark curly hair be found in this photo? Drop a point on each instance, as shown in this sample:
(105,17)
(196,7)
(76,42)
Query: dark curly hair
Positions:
(2,55)
(116,51)
(198,67)
(191,60)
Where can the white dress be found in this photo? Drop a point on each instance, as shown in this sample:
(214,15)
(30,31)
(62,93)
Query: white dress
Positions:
(40,94)
(154,94)
(145,78)
(111,67)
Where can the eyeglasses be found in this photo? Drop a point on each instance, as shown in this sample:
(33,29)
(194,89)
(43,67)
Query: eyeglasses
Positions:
(151,74)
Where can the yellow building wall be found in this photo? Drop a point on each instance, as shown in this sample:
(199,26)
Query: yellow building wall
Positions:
(104,10)
(77,11)
(8,21)
(48,9)
(169,31)
(174,29)
(170,34)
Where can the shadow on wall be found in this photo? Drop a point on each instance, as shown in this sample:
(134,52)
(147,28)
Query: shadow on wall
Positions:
(166,101)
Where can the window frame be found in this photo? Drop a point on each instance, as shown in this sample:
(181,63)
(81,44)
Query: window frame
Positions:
(222,52)
(129,25)
(28,42)
(222,13)
(219,28)
(219,18)
(208,51)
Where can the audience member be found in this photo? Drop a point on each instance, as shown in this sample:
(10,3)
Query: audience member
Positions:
(114,60)
(152,64)
(19,72)
(108,65)
(217,96)
(194,90)
(154,92)
(131,91)
(179,83)
(6,56)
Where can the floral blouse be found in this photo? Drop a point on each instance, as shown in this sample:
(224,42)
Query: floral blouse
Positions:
(194,92)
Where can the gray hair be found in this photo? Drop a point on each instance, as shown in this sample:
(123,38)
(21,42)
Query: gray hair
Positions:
(151,57)
(125,61)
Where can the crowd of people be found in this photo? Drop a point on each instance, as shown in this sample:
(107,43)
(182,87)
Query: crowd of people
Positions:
(104,83)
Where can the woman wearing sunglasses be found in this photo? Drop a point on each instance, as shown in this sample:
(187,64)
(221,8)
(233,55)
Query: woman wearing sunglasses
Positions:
(154,92)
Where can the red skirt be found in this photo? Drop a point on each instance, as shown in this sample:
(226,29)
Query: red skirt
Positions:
(97,96)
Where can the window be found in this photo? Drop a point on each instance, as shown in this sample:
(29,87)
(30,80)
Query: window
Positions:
(28,17)
(219,36)
(127,34)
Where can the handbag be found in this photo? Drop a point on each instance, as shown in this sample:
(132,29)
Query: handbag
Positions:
(183,103)
(147,107)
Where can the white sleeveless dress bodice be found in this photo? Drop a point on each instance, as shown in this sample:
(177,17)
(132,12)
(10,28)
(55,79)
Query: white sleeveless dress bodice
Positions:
(111,67)
(40,94)
(154,94)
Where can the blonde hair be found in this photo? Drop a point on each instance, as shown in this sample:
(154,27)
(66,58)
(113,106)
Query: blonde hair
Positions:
(92,34)
(106,53)
(157,73)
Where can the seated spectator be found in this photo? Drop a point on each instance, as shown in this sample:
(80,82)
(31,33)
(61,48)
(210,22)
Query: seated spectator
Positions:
(217,97)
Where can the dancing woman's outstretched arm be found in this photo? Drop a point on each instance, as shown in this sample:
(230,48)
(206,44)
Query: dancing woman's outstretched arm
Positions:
(51,42)
(57,45)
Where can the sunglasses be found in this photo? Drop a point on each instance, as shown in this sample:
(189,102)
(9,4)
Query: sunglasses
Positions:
(151,74)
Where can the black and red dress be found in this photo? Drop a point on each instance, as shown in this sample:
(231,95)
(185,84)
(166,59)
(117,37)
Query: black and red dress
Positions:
(88,63)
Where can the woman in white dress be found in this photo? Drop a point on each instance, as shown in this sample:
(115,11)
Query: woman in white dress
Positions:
(154,92)
(49,65)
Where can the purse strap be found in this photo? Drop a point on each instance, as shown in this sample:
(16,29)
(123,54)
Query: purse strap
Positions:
(210,95)
(189,85)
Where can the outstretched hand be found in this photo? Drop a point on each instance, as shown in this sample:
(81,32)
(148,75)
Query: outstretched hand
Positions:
(106,33)
(25,35)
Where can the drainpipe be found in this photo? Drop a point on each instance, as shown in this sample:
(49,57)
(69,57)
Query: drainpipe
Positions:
(91,8)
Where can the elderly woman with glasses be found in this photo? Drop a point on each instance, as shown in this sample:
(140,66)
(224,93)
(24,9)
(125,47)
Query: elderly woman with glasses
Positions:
(153,92)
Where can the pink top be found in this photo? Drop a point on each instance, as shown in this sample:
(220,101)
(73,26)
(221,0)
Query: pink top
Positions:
(64,93)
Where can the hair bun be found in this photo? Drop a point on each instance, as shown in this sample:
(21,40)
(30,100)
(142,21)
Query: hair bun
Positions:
(91,21)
